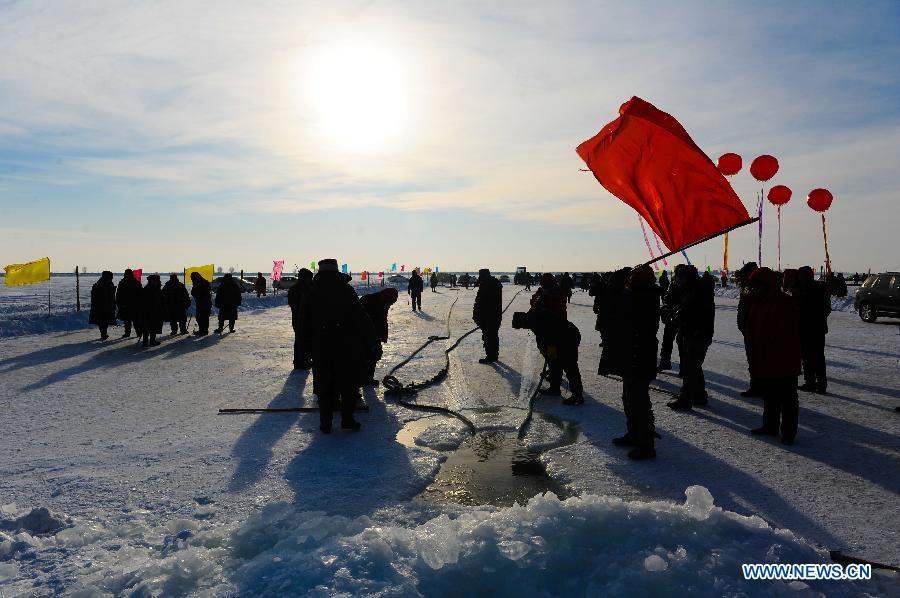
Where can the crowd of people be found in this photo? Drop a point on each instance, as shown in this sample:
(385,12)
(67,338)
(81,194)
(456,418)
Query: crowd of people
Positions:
(145,308)
(782,316)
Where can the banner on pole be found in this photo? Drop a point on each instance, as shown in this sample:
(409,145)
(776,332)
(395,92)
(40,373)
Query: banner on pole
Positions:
(205,272)
(725,257)
(344,268)
(138,273)
(402,267)
(21,274)
(277,267)
(364,274)
(394,267)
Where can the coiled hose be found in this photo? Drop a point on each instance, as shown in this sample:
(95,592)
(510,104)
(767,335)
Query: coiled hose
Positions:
(394,388)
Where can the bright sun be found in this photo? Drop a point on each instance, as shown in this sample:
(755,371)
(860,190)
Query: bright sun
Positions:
(358,97)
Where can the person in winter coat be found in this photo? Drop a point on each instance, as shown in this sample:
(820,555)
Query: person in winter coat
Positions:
(202,294)
(671,299)
(635,316)
(745,302)
(813,305)
(567,285)
(259,285)
(696,324)
(176,301)
(557,340)
(551,295)
(488,314)
(128,297)
(377,306)
(151,311)
(342,342)
(103,304)
(608,309)
(296,294)
(433,281)
(664,283)
(228,298)
(414,288)
(773,345)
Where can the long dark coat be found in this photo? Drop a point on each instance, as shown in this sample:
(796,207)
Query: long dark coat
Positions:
(813,306)
(128,297)
(202,296)
(296,294)
(488,309)
(340,334)
(228,298)
(633,327)
(175,300)
(151,309)
(415,284)
(103,303)
(377,311)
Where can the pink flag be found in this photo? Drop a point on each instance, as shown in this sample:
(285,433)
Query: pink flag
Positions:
(402,267)
(381,275)
(137,273)
(277,267)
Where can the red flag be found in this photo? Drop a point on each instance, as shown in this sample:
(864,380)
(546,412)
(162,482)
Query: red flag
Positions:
(647,159)
(137,273)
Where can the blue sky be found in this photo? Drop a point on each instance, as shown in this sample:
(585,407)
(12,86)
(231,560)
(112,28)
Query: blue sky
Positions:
(166,134)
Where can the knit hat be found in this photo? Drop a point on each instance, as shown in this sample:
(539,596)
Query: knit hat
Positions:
(328,265)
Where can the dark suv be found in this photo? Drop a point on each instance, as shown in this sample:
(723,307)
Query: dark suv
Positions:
(879,295)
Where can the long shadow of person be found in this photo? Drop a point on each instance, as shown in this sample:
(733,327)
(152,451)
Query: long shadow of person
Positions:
(253,449)
(353,473)
(56,353)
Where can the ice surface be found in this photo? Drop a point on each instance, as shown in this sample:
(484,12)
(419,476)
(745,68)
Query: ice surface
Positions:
(443,435)
(38,521)
(127,461)
(588,545)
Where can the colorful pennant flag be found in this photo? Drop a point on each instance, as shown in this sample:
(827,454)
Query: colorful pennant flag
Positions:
(277,267)
(364,274)
(21,274)
(394,267)
(312,265)
(206,272)
(344,268)
(402,267)
(381,275)
(138,273)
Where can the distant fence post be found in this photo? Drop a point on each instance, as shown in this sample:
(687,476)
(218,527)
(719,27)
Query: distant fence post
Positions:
(77,291)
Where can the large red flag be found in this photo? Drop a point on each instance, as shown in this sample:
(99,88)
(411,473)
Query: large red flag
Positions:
(647,159)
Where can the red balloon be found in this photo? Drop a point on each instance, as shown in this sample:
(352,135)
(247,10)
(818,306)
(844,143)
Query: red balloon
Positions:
(819,199)
(729,164)
(779,195)
(764,167)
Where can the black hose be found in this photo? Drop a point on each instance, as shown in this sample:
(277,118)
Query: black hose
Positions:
(394,388)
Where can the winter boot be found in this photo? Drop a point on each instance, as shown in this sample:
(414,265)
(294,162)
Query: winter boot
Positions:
(627,440)
(575,399)
(681,403)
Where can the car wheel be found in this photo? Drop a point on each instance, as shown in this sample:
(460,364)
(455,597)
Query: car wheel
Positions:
(867,312)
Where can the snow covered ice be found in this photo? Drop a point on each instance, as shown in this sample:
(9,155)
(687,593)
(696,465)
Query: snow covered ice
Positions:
(119,478)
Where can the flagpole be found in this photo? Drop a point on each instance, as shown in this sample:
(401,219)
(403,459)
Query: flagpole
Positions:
(703,240)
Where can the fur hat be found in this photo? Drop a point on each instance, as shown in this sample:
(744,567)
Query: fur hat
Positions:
(328,265)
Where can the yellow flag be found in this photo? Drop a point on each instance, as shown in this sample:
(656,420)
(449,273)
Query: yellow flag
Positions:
(30,273)
(205,271)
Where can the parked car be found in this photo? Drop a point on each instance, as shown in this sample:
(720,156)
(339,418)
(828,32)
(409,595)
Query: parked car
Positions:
(285,283)
(245,285)
(879,295)
(398,279)
(504,278)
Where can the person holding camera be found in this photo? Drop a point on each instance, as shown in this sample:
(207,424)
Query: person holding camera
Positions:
(557,340)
